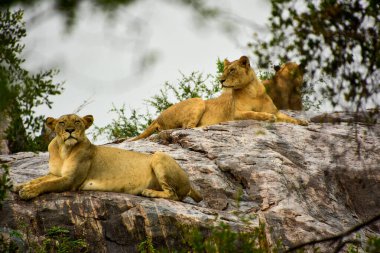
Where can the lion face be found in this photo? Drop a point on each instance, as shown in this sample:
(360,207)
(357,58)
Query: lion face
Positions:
(70,128)
(237,74)
(292,73)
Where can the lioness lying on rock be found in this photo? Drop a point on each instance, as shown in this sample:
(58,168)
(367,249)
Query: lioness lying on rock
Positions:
(76,164)
(244,98)
(285,87)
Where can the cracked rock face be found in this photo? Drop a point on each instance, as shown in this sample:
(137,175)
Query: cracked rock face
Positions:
(303,182)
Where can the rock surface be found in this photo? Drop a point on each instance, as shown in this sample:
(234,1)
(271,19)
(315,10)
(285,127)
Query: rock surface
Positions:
(303,182)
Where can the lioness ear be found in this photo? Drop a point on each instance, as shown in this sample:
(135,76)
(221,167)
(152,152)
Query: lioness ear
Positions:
(51,122)
(226,63)
(244,61)
(88,119)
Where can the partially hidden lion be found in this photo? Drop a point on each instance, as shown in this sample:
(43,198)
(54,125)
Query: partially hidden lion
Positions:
(76,164)
(244,98)
(285,87)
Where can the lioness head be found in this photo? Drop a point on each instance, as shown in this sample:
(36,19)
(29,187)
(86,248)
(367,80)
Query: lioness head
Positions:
(237,74)
(70,128)
(290,72)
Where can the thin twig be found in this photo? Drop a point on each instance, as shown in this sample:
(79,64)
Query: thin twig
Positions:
(338,236)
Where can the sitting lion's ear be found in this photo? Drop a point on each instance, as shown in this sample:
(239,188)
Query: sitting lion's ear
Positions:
(88,119)
(51,122)
(244,61)
(226,63)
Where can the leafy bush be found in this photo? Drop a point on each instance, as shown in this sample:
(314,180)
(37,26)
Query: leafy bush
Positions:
(5,183)
(123,125)
(58,240)
(223,239)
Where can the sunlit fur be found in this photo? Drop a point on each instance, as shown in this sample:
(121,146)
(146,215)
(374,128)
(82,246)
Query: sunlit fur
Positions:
(244,98)
(76,164)
(285,87)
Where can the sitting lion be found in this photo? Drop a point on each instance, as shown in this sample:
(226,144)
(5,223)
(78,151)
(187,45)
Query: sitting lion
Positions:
(244,98)
(76,164)
(285,87)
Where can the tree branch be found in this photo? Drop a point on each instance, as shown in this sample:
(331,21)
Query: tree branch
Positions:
(338,236)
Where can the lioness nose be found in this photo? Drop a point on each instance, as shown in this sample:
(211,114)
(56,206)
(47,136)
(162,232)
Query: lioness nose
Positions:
(70,130)
(222,80)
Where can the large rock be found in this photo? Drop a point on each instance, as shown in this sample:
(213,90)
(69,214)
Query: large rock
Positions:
(303,183)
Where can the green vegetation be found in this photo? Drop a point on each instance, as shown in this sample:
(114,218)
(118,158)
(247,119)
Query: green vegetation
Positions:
(218,239)
(56,239)
(146,246)
(124,125)
(224,239)
(21,91)
(373,245)
(5,182)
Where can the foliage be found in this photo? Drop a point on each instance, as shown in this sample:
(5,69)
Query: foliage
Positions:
(123,125)
(146,246)
(309,99)
(223,239)
(7,246)
(373,245)
(58,240)
(335,40)
(266,74)
(5,183)
(21,91)
(132,124)
(193,86)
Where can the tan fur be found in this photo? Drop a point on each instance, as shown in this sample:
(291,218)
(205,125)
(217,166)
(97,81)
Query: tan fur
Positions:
(285,87)
(244,98)
(76,164)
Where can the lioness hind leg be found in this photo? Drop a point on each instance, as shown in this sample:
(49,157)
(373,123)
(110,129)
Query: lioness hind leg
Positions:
(285,118)
(173,180)
(195,115)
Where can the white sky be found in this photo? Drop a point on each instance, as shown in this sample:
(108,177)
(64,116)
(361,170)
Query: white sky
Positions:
(99,59)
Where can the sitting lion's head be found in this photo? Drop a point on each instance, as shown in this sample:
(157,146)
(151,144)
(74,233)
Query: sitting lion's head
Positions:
(70,128)
(290,73)
(237,74)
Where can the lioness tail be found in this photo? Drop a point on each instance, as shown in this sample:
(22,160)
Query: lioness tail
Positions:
(148,131)
(194,194)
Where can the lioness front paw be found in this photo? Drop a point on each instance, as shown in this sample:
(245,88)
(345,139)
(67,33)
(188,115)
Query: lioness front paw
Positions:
(270,117)
(149,193)
(303,122)
(28,192)
(17,187)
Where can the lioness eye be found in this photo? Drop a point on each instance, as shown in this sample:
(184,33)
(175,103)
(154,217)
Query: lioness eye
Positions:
(77,122)
(62,123)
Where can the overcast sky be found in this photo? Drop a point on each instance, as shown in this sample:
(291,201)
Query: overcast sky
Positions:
(102,58)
